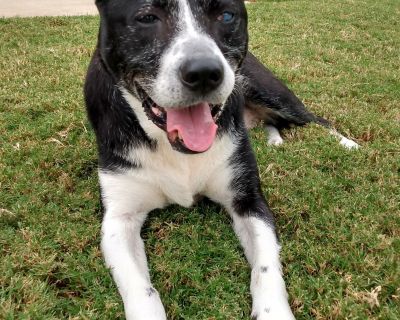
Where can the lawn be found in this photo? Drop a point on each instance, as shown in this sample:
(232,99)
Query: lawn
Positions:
(337,211)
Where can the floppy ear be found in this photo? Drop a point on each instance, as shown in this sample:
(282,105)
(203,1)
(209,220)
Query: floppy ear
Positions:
(100,2)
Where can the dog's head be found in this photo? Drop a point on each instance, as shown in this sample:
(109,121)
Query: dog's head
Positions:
(179,58)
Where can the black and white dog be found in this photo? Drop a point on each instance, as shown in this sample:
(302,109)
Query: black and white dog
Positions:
(169,92)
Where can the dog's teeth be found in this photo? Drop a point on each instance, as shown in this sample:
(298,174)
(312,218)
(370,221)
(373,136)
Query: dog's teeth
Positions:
(155,111)
(172,135)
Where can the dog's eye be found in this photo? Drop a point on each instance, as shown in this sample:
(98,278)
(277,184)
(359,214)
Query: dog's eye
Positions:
(226,17)
(148,19)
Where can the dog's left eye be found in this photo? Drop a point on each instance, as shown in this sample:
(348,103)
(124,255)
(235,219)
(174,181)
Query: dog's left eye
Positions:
(148,19)
(226,17)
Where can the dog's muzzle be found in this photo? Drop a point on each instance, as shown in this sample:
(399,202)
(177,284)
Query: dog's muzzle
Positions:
(190,129)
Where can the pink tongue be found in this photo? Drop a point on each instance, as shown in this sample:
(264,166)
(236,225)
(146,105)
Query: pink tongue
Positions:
(194,124)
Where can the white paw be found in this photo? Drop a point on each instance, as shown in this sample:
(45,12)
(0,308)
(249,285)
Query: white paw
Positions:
(275,140)
(269,295)
(145,305)
(349,144)
(274,137)
(272,310)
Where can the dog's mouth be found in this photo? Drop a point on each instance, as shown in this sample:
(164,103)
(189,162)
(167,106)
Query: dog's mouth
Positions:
(190,129)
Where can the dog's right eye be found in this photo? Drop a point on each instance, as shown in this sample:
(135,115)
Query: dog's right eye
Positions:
(147,19)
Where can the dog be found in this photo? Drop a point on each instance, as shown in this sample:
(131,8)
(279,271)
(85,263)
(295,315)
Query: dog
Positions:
(169,92)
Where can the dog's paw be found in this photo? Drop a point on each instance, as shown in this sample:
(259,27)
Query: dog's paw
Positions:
(273,136)
(275,140)
(273,312)
(145,305)
(271,306)
(269,294)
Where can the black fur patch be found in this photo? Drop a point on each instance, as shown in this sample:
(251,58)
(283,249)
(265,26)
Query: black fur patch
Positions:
(264,269)
(150,291)
(265,91)
(249,198)
(113,120)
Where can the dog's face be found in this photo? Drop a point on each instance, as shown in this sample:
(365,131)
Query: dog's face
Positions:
(179,57)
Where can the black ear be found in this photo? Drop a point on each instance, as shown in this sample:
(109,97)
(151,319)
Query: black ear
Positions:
(100,3)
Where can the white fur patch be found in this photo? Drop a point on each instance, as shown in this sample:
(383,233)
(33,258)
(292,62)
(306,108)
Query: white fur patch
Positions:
(347,143)
(190,42)
(180,177)
(274,138)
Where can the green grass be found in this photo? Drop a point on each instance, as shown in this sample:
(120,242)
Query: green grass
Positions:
(337,211)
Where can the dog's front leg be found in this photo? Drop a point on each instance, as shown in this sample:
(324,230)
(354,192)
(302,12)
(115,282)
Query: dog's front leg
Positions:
(123,248)
(124,253)
(254,225)
(238,189)
(262,250)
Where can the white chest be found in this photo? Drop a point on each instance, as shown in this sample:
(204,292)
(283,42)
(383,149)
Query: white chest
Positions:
(180,177)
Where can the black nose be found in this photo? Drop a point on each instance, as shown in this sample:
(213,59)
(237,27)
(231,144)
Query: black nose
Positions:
(202,74)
